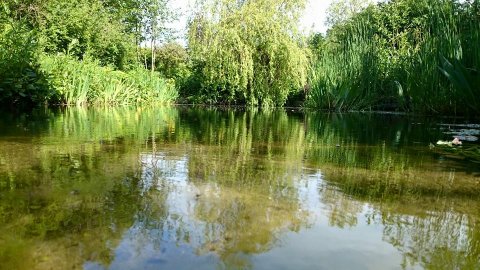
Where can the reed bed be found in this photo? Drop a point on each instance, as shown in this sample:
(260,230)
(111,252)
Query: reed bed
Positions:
(87,83)
(402,55)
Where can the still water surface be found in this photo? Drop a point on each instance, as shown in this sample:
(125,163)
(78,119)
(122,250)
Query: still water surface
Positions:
(183,188)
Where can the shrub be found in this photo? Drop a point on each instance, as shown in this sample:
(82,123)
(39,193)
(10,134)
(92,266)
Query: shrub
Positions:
(21,80)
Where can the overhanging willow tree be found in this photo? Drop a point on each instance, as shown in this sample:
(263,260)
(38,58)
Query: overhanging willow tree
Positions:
(249,51)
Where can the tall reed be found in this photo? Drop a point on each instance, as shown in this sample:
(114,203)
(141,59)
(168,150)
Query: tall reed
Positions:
(86,82)
(392,57)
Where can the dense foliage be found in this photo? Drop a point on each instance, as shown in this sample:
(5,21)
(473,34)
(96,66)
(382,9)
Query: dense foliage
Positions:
(414,55)
(402,55)
(46,45)
(20,77)
(85,27)
(248,51)
(341,11)
(171,60)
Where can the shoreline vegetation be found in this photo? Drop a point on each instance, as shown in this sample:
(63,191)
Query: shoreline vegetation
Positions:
(401,56)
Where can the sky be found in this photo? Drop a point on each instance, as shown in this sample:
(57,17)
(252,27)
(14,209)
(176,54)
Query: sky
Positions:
(312,20)
(315,15)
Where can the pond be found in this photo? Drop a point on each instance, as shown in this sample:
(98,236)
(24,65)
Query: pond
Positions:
(212,188)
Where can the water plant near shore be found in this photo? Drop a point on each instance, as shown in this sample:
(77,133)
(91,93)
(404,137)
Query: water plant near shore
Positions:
(393,56)
(86,82)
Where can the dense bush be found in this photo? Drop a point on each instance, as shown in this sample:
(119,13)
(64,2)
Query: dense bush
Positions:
(171,60)
(85,28)
(101,40)
(405,55)
(21,81)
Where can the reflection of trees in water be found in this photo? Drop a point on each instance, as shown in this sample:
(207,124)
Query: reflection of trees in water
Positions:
(221,196)
(232,219)
(244,222)
(430,215)
(342,211)
(423,208)
(224,182)
(436,239)
(248,193)
(61,218)
(435,233)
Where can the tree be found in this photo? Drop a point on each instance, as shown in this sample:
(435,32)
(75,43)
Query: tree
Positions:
(316,43)
(249,51)
(342,10)
(83,28)
(172,60)
(156,16)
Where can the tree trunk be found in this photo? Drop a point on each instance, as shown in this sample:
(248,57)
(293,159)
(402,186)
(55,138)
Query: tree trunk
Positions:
(152,44)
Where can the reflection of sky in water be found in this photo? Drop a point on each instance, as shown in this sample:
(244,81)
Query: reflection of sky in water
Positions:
(143,247)
(235,190)
(319,246)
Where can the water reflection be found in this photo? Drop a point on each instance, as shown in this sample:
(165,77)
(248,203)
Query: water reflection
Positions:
(202,188)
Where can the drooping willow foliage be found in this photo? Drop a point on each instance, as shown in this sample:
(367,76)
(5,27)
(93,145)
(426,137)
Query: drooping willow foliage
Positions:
(248,51)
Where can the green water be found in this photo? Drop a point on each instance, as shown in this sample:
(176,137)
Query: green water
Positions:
(183,188)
